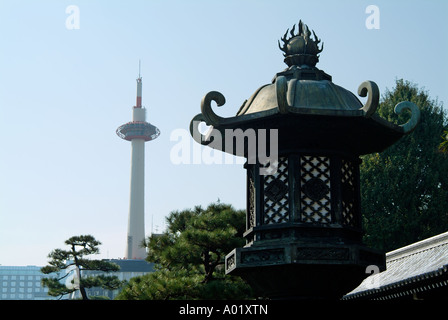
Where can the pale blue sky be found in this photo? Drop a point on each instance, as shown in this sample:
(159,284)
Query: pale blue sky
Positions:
(63,93)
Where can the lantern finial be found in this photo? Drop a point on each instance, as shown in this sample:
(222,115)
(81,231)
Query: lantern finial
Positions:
(300,49)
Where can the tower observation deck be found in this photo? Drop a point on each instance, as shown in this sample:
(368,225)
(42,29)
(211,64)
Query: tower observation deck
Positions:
(138,131)
(138,128)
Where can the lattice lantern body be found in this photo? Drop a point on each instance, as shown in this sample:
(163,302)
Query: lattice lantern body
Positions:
(303,227)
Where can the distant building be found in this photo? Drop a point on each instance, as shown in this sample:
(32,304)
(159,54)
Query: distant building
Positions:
(22,283)
(129,268)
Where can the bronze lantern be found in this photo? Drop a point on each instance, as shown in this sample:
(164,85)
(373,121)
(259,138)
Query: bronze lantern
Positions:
(303,223)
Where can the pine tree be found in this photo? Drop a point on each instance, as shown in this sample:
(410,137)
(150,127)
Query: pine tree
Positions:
(190,257)
(404,189)
(79,247)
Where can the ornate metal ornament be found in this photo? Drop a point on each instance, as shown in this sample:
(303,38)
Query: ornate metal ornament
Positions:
(276,190)
(300,49)
(315,189)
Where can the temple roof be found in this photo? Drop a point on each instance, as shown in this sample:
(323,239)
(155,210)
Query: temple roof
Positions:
(419,267)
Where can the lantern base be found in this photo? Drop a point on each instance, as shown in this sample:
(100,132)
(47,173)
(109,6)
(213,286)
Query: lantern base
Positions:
(297,271)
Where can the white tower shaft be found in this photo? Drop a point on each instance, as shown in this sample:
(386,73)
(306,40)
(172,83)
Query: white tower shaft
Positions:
(136,219)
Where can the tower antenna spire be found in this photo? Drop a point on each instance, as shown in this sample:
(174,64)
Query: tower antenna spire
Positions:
(139,88)
(139,68)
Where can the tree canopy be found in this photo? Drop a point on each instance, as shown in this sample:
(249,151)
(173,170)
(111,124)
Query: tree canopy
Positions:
(189,257)
(444,144)
(404,189)
(74,260)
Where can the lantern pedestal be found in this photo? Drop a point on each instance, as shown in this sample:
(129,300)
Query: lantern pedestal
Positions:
(302,271)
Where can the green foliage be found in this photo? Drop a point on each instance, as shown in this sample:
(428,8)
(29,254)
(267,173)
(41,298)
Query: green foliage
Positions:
(80,246)
(444,144)
(190,257)
(55,288)
(404,189)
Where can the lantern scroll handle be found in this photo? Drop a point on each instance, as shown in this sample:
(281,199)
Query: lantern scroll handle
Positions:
(210,117)
(373,98)
(415,115)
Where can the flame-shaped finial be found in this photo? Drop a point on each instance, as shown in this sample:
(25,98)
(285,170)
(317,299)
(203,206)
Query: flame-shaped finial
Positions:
(300,49)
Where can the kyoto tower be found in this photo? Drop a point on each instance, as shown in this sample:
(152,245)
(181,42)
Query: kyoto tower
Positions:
(138,131)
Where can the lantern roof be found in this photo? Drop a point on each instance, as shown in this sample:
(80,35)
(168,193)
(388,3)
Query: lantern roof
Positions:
(307,108)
